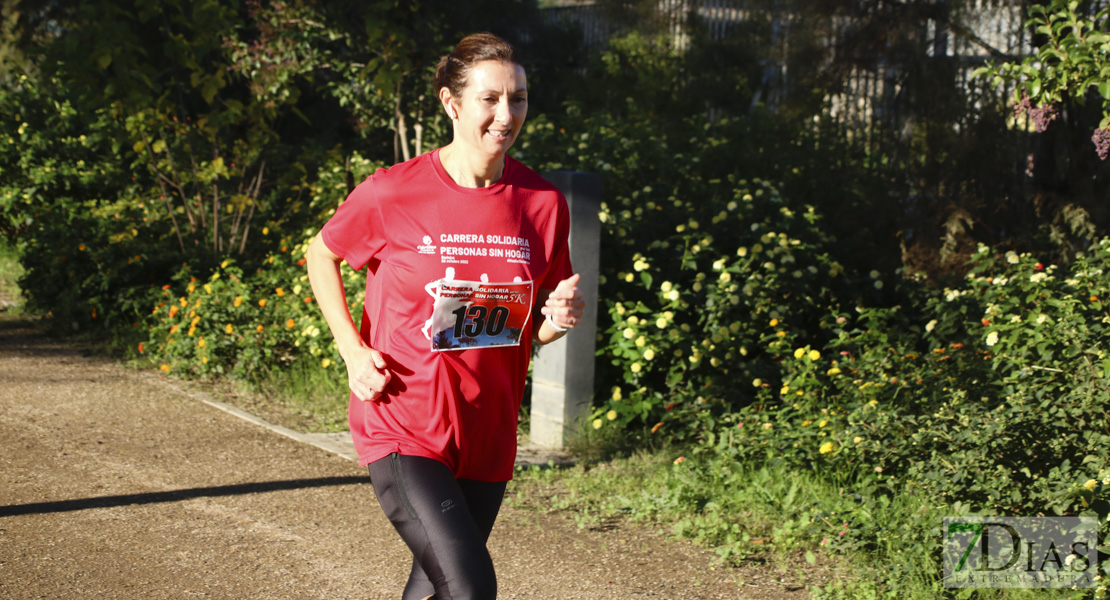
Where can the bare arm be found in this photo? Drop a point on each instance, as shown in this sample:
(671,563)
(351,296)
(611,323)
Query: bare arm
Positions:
(564,305)
(367,373)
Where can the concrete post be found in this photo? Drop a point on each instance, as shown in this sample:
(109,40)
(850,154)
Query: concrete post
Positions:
(563,372)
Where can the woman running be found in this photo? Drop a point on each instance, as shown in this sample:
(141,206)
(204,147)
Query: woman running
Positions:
(467,266)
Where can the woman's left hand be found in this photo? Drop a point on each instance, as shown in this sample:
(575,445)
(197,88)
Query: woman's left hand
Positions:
(565,303)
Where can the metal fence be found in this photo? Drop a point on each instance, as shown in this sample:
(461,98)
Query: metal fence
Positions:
(870,100)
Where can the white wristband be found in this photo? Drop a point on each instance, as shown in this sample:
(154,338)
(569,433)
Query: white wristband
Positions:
(551,322)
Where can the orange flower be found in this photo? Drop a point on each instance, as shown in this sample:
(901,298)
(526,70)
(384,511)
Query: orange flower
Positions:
(173,330)
(657,427)
(229,328)
(94,313)
(290,323)
(262,303)
(259,329)
(308,300)
(165,368)
(166,287)
(300,263)
(280,292)
(173,311)
(140,346)
(238,300)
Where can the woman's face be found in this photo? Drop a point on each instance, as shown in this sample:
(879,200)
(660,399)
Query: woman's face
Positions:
(492,108)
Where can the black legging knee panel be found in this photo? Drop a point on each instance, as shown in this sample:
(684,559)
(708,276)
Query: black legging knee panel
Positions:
(444,521)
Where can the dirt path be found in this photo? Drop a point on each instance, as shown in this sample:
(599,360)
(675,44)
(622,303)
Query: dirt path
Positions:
(116,484)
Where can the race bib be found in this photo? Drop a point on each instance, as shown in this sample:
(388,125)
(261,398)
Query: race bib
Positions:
(473,314)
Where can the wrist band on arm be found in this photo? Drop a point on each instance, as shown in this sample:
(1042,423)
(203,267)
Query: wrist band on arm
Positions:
(551,322)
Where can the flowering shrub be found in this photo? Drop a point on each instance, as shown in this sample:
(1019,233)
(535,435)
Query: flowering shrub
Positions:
(709,277)
(1071,62)
(994,392)
(245,323)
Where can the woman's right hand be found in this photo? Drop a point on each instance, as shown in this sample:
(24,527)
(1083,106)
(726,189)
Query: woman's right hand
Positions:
(367,373)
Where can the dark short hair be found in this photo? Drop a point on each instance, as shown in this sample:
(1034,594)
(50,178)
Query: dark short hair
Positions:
(454,69)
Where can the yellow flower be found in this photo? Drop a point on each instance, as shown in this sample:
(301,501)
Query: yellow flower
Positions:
(611,415)
(873,403)
(774,323)
(641,341)
(229,328)
(597,423)
(661,323)
(757,382)
(325,363)
(785,390)
(822,423)
(833,371)
(827,447)
(201,343)
(857,439)
(636,367)
(800,352)
(1091,485)
(814,355)
(780,333)
(194,322)
(768,425)
(208,288)
(649,354)
(165,368)
(629,333)
(265,231)
(192,288)
(665,287)
(806,423)
(238,300)
(617,394)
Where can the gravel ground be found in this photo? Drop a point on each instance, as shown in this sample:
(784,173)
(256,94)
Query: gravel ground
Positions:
(120,484)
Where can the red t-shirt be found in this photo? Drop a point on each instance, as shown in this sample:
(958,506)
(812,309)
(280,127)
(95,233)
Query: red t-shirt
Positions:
(414,226)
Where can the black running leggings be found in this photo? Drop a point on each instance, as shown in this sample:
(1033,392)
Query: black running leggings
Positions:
(444,521)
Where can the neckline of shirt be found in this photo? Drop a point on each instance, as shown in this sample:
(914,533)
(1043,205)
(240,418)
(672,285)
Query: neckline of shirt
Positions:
(496,187)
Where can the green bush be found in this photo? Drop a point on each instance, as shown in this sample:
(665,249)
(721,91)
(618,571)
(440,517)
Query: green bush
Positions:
(247,323)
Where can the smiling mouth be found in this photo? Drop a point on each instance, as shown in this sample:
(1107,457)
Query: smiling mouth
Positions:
(500,135)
